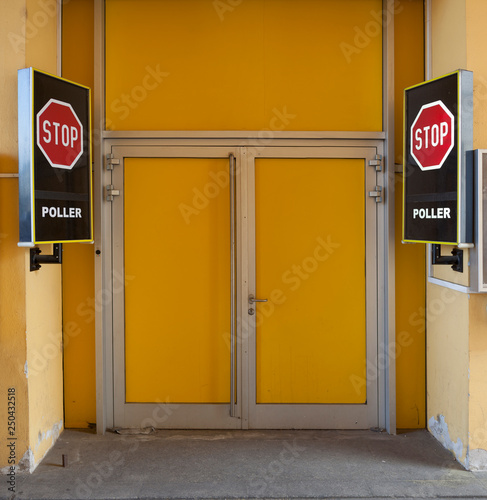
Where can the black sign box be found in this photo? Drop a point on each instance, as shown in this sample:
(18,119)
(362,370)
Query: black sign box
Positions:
(55,181)
(438,173)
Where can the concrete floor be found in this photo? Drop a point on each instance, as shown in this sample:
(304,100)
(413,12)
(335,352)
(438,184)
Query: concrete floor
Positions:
(248,464)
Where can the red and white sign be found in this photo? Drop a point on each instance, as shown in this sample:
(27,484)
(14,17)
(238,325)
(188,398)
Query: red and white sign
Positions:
(432,135)
(59,134)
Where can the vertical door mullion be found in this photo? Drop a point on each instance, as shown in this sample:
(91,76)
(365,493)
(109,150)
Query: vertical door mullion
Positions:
(118,295)
(246,274)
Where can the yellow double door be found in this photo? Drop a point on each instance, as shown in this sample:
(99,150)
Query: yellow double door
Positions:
(250,287)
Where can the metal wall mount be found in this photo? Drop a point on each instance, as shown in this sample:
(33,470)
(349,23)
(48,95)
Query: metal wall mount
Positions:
(455,260)
(36,259)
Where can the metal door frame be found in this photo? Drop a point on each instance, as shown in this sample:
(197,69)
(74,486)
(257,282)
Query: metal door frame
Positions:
(383,140)
(161,414)
(315,416)
(246,413)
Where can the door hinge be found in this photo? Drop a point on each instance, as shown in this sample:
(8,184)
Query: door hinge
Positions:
(377,163)
(111,192)
(377,194)
(111,161)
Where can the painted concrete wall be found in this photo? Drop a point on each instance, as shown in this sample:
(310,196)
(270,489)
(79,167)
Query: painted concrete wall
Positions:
(13,345)
(447,368)
(30,303)
(447,310)
(457,322)
(448,26)
(476,14)
(478,378)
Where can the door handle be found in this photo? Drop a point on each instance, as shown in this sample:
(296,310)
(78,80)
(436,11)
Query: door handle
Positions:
(252,299)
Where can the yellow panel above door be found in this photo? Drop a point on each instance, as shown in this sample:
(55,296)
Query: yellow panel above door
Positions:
(263,65)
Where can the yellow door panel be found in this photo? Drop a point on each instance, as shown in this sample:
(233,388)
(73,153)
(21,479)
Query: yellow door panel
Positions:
(310,228)
(177,272)
(266,65)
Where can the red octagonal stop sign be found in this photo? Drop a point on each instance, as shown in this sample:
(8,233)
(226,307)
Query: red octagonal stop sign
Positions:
(59,134)
(432,135)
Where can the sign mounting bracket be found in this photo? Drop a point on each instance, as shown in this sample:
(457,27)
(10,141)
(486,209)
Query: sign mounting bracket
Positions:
(36,259)
(455,260)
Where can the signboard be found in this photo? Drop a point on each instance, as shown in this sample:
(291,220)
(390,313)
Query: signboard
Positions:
(438,176)
(55,182)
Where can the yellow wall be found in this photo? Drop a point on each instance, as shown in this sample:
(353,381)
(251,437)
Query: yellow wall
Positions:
(448,43)
(13,346)
(478,377)
(43,288)
(78,266)
(447,368)
(30,303)
(410,259)
(457,349)
(476,61)
(476,13)
(44,356)
(447,310)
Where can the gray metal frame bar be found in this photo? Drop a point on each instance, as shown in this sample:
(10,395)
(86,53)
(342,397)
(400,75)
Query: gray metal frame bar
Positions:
(233,299)
(386,233)
(241,134)
(103,241)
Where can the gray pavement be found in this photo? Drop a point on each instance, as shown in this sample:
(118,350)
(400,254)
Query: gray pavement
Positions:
(249,464)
